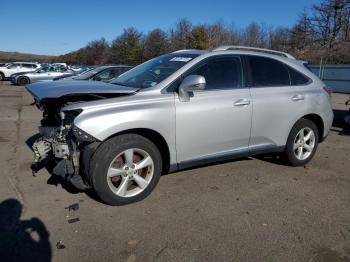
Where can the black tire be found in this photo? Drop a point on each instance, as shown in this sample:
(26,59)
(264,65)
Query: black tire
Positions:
(289,152)
(105,154)
(22,81)
(2,76)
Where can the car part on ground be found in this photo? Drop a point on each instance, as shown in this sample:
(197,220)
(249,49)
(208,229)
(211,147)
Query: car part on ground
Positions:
(177,111)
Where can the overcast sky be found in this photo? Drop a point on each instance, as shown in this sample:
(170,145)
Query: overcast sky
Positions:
(58,27)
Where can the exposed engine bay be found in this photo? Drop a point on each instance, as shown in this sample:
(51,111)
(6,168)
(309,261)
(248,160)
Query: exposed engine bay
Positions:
(61,143)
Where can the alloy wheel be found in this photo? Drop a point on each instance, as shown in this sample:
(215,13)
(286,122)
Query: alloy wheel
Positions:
(304,143)
(130,172)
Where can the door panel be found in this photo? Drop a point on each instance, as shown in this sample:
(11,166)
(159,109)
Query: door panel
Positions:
(211,124)
(275,110)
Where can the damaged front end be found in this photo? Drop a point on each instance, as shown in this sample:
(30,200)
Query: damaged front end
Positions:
(61,144)
(64,145)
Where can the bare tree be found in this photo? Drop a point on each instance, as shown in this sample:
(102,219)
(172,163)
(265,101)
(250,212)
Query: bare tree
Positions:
(179,37)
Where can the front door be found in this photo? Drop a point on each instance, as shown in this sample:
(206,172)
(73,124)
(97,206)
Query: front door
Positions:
(216,121)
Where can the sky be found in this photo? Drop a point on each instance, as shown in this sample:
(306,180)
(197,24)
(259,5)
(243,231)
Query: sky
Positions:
(61,26)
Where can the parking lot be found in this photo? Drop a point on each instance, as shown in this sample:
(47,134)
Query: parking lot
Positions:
(252,209)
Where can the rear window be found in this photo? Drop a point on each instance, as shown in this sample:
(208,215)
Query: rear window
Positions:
(267,72)
(297,78)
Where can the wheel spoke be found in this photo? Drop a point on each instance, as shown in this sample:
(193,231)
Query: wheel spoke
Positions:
(300,152)
(296,146)
(301,134)
(115,172)
(308,147)
(308,136)
(129,157)
(123,187)
(140,181)
(147,161)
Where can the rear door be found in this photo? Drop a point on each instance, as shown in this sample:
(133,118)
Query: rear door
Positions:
(276,103)
(216,121)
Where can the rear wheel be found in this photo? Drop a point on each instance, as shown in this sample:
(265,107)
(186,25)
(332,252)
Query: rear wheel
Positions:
(23,81)
(2,76)
(125,169)
(302,143)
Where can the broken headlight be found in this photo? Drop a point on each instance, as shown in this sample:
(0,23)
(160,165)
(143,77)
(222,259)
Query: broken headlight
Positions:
(81,135)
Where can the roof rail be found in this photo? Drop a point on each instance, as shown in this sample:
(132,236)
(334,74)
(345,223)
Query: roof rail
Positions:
(183,50)
(255,49)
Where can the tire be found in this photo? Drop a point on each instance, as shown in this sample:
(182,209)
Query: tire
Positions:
(22,81)
(115,150)
(295,143)
(2,76)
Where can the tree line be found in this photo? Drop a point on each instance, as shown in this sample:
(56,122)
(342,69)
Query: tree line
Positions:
(322,32)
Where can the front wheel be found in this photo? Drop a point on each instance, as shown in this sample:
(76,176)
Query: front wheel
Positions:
(125,169)
(2,76)
(23,81)
(302,143)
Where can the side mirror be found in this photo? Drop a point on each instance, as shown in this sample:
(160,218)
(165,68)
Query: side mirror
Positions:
(97,78)
(190,83)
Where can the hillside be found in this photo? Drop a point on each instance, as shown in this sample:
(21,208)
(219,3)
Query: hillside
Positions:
(16,56)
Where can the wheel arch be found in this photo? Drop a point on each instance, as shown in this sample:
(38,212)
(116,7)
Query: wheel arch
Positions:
(318,121)
(21,77)
(156,138)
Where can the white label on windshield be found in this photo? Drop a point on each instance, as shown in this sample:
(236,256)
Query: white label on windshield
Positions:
(180,59)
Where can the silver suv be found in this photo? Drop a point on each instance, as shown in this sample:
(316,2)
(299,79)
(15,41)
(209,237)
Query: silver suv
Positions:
(179,110)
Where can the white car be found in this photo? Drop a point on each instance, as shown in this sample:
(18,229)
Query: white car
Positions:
(17,67)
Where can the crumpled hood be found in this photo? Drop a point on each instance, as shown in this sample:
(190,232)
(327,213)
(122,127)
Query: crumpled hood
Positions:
(57,89)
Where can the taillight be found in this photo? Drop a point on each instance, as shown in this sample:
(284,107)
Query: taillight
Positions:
(328,90)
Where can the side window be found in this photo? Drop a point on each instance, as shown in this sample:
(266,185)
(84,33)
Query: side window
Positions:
(14,66)
(267,72)
(27,66)
(297,78)
(221,73)
(104,75)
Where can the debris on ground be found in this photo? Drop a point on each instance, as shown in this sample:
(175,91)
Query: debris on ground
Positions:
(73,220)
(73,207)
(214,187)
(132,243)
(60,245)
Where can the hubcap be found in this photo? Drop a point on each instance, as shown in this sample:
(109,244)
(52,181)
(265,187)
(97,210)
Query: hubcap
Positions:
(304,143)
(130,172)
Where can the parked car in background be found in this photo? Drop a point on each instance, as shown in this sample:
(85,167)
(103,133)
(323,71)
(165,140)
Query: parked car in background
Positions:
(41,74)
(179,110)
(101,73)
(17,67)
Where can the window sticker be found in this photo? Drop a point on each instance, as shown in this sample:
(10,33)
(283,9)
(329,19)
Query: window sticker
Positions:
(180,59)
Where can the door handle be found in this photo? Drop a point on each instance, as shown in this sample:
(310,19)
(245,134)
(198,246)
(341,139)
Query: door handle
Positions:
(298,98)
(241,102)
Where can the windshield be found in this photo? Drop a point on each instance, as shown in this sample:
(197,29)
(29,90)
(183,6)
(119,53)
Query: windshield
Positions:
(153,71)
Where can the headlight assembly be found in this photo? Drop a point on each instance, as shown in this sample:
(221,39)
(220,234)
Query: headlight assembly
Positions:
(81,135)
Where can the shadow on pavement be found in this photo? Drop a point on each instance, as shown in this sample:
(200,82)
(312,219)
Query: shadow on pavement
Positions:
(22,240)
